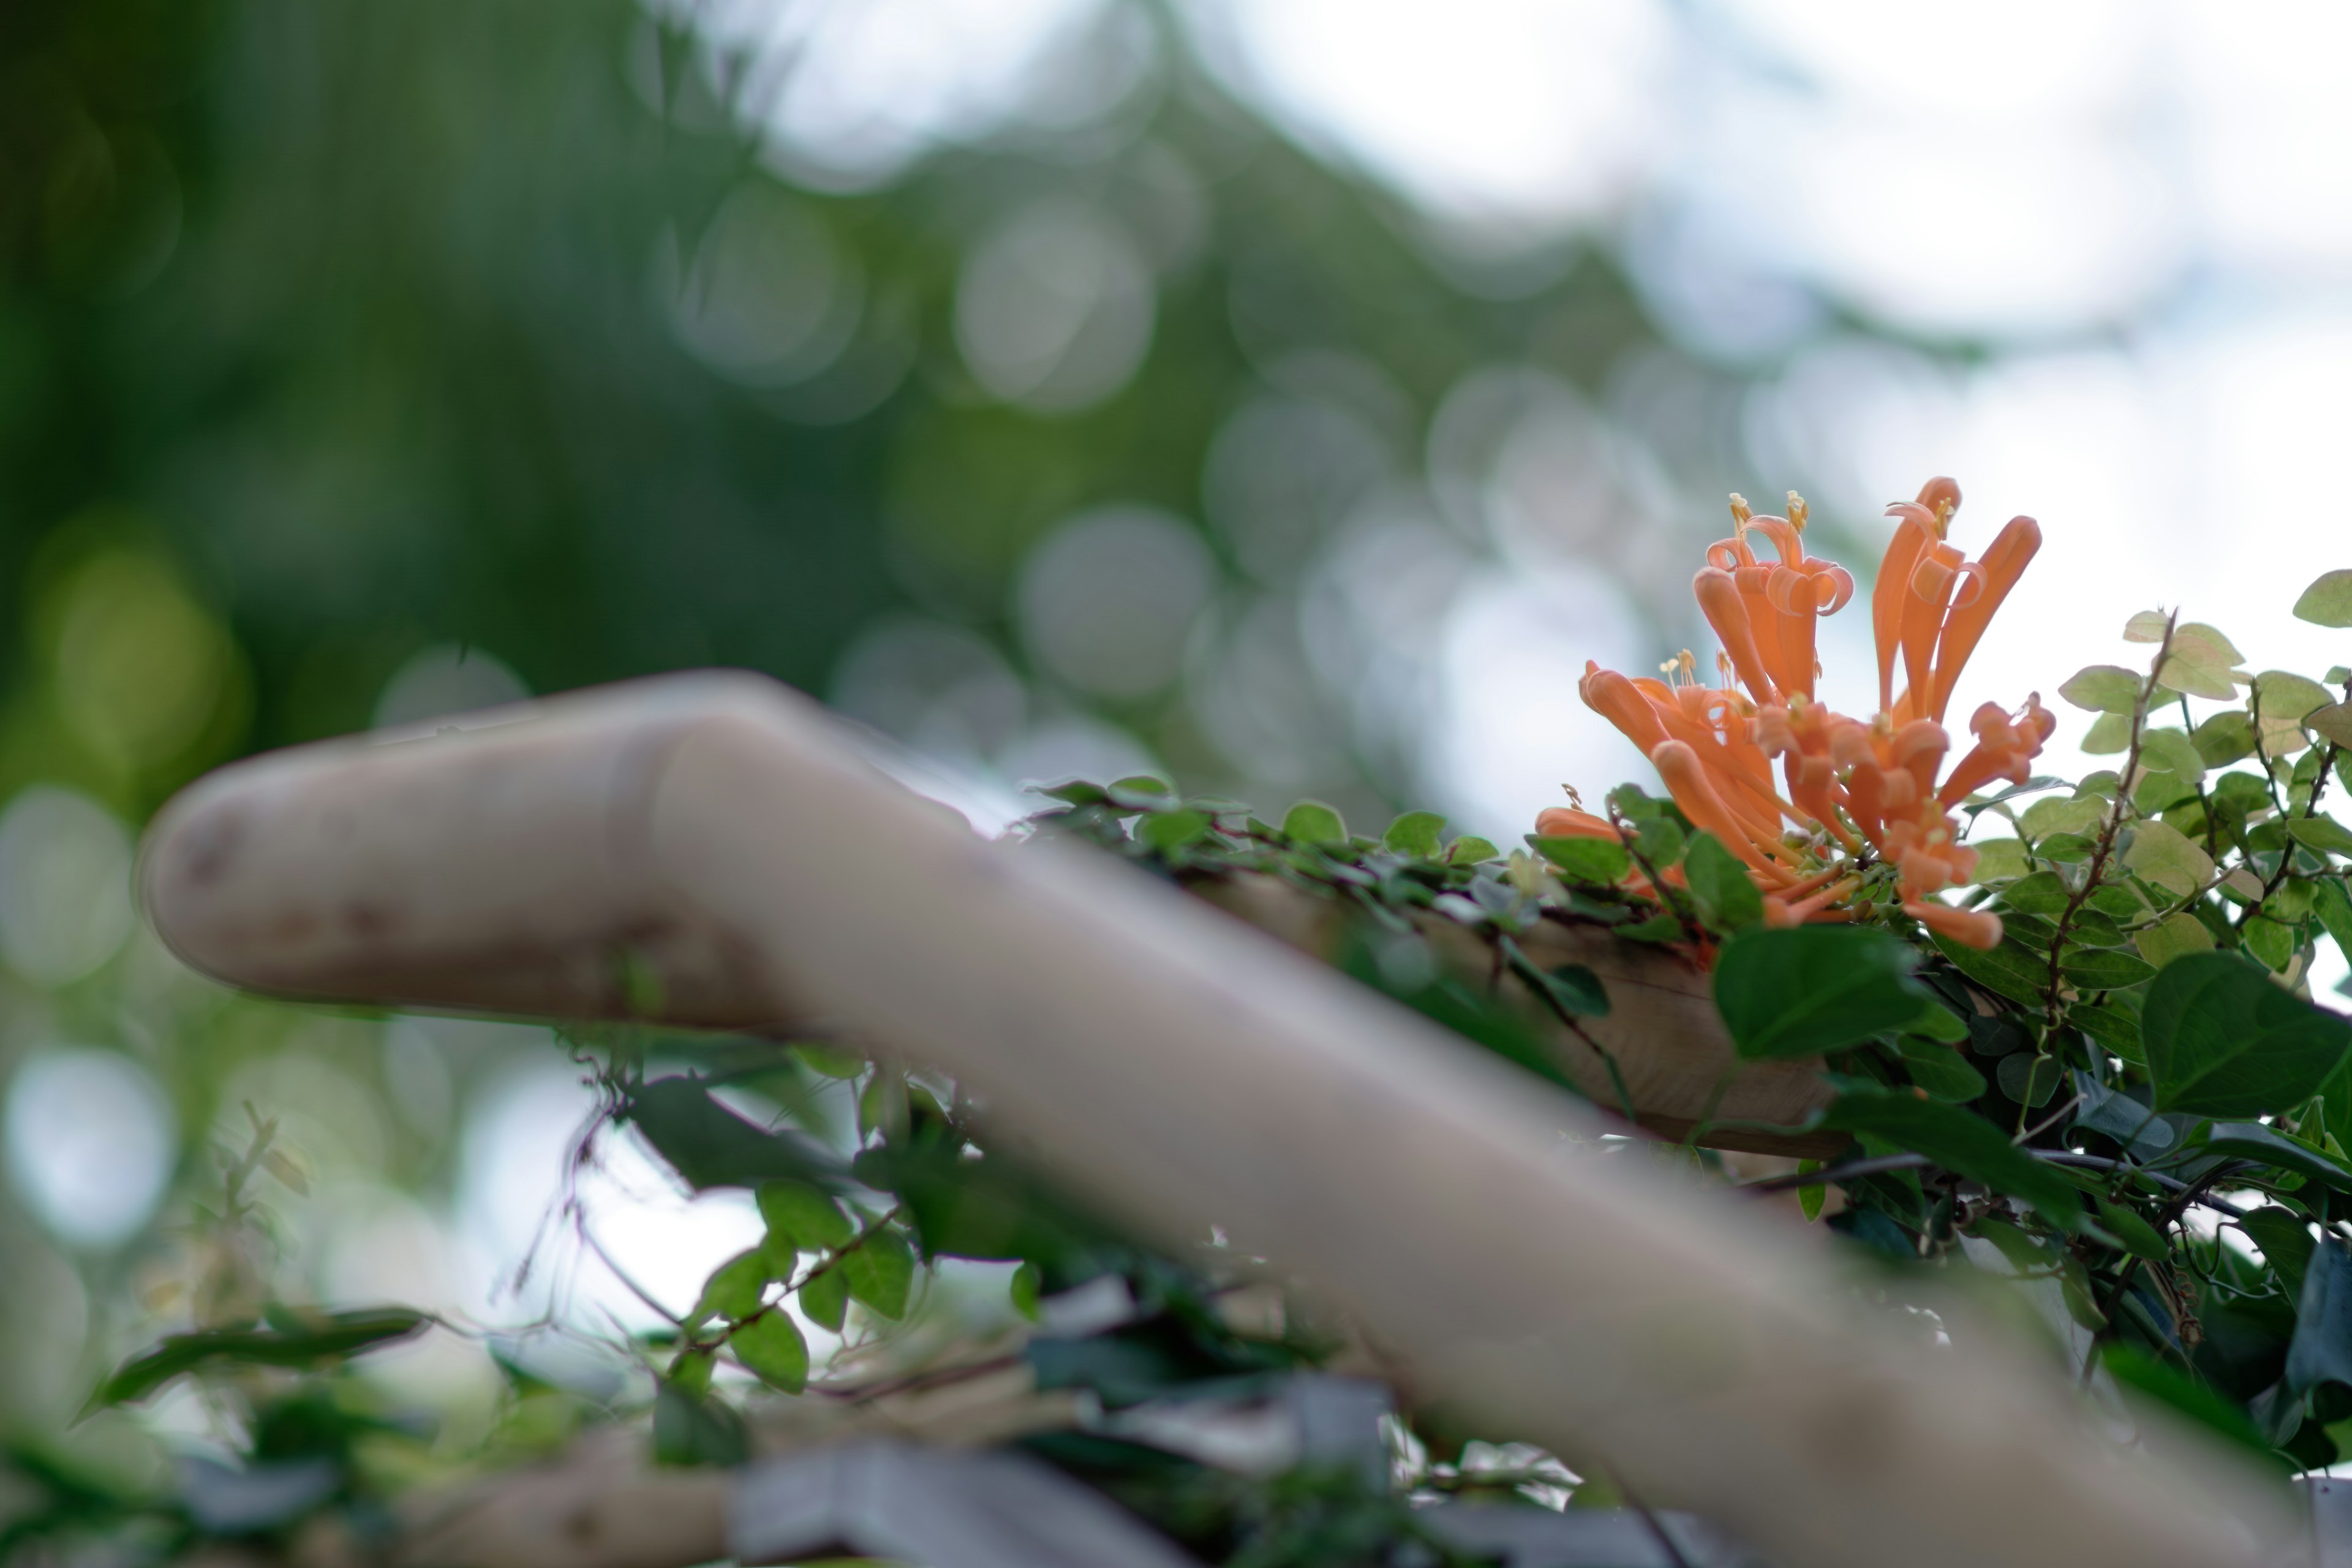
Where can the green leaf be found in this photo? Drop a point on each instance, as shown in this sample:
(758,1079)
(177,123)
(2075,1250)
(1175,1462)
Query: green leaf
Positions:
(1028,1285)
(1415,834)
(2142,1375)
(2332,723)
(2287,1241)
(2285,695)
(2224,738)
(2046,817)
(1171,830)
(2009,970)
(825,1299)
(1814,988)
(1941,1070)
(771,1348)
(2139,1128)
(2146,626)
(2000,860)
(881,1271)
(1659,840)
(2328,601)
(2103,688)
(1572,988)
(2172,752)
(328,1336)
(2321,1350)
(2104,969)
(2030,1079)
(2223,1041)
(801,1218)
(1958,1141)
(2333,904)
(1659,927)
(2269,942)
(1312,821)
(1940,1024)
(1469,850)
(2162,855)
(2043,893)
(708,1144)
(2173,937)
(2139,1238)
(2268,1146)
(2321,833)
(1811,1200)
(1598,862)
(2113,1027)
(691,1429)
(734,1287)
(2109,735)
(1719,884)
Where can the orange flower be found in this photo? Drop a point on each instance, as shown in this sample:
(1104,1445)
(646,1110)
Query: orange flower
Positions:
(1857,793)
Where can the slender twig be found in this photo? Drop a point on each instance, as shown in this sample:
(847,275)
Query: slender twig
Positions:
(1882,1163)
(1655,1525)
(2108,828)
(2310,807)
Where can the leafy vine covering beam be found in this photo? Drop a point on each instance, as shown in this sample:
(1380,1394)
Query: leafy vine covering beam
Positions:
(708,850)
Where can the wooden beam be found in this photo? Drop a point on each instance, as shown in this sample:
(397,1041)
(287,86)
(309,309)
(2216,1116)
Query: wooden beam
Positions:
(712,842)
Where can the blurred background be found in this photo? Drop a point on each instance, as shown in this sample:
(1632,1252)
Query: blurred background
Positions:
(1284,395)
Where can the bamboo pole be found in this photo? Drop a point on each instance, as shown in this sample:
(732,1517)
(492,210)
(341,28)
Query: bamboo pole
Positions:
(715,834)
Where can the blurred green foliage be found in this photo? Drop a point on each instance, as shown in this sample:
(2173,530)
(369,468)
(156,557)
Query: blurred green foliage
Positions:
(330,331)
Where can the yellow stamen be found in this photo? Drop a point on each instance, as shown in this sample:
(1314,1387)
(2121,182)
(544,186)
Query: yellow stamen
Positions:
(1798,511)
(1741,513)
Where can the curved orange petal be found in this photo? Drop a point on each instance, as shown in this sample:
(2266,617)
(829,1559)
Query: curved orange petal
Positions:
(1970,928)
(2004,562)
(1721,602)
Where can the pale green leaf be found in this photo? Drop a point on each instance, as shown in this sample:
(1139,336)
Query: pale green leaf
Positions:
(2145,626)
(2201,644)
(2171,752)
(1312,821)
(2044,818)
(2163,856)
(2209,680)
(1415,834)
(2109,735)
(2285,695)
(2000,860)
(2171,937)
(2333,723)
(2328,601)
(2322,833)
(2103,688)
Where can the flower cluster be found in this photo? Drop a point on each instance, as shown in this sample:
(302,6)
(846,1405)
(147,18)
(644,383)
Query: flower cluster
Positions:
(1858,793)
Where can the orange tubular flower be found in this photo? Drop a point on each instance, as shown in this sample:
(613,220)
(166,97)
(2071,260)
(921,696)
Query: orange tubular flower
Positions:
(1858,793)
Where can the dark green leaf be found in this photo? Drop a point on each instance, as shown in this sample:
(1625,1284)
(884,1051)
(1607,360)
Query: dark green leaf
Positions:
(2223,1041)
(2043,893)
(690,1429)
(329,1336)
(2287,1241)
(2333,905)
(769,1346)
(1659,927)
(1940,1023)
(2265,1145)
(2104,969)
(1719,884)
(1958,1141)
(2113,1027)
(2030,1079)
(1815,988)
(710,1145)
(1171,830)
(1598,861)
(2066,848)
(2009,970)
(825,1298)
(1570,988)
(1415,834)
(2139,1238)
(1078,792)
(881,1271)
(2321,1350)
(1028,1283)
(2166,1385)
(2269,942)
(2144,1132)
(1941,1070)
